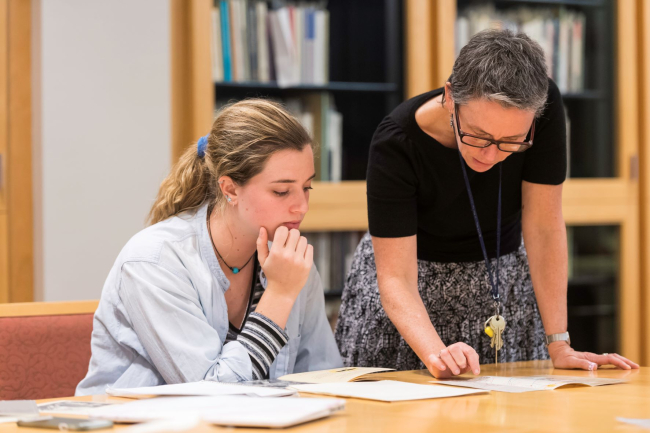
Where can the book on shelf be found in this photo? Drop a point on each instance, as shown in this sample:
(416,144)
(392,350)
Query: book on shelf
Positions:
(559,31)
(224,31)
(216,46)
(260,43)
(318,114)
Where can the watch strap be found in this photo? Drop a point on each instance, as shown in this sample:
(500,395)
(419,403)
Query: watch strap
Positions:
(564,336)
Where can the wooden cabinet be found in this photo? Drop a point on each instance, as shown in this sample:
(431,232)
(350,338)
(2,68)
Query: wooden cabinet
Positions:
(607,201)
(621,200)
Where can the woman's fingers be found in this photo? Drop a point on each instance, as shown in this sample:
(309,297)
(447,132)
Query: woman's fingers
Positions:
(607,359)
(446,356)
(437,362)
(301,247)
(458,355)
(456,359)
(280,238)
(309,256)
(583,364)
(262,246)
(613,359)
(627,361)
(472,359)
(292,240)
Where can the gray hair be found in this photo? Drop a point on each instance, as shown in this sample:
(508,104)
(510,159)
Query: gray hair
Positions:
(500,66)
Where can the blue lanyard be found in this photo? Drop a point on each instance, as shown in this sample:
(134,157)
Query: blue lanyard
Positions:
(493,283)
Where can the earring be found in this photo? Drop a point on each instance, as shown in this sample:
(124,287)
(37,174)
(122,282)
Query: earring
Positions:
(228,199)
(451,122)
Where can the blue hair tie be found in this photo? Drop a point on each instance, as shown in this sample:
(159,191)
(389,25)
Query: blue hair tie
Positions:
(201,145)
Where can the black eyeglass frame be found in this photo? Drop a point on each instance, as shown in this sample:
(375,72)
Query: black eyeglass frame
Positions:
(525,144)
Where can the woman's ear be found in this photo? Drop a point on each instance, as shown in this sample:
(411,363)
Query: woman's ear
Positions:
(449,102)
(228,189)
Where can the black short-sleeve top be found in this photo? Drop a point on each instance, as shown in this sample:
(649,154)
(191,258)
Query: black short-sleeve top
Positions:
(415,184)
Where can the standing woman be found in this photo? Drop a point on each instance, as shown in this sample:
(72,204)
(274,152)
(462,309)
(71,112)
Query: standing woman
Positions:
(455,176)
(187,298)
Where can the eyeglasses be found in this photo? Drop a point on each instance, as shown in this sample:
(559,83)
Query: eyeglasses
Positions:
(504,146)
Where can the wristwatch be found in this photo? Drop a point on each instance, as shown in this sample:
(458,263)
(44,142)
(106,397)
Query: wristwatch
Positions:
(564,336)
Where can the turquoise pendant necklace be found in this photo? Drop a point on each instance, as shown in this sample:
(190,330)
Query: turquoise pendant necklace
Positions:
(234,270)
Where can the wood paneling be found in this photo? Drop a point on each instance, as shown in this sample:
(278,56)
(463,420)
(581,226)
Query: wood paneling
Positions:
(596,201)
(445,52)
(429,44)
(343,206)
(16,222)
(643,24)
(4,136)
(47,308)
(4,103)
(337,207)
(192,90)
(420,52)
(627,133)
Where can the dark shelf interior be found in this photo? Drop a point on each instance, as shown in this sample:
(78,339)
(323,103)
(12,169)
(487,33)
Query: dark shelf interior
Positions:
(333,295)
(593,288)
(592,95)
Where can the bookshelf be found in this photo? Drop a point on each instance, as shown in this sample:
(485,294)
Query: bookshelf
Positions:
(365,83)
(615,197)
(601,196)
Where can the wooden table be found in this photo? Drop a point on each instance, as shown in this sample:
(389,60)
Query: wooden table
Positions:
(566,409)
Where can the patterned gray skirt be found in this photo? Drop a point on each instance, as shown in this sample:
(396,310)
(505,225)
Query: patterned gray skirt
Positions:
(457,298)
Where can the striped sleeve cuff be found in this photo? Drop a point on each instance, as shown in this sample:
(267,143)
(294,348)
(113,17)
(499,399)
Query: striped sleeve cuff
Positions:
(263,339)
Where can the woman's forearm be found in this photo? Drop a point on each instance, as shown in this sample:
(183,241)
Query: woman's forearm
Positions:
(548,260)
(407,312)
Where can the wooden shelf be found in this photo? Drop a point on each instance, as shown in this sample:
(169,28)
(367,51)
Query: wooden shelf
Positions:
(329,87)
(597,201)
(342,206)
(337,206)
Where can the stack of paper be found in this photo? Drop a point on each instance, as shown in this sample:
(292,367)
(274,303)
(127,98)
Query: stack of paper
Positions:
(203,388)
(224,410)
(12,410)
(384,390)
(344,374)
(526,383)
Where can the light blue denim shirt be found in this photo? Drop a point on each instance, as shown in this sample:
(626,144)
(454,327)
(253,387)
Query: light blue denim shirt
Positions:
(162,317)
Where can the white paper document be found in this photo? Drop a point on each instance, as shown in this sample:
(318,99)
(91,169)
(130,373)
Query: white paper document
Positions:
(12,410)
(384,390)
(203,388)
(525,383)
(639,422)
(231,410)
(70,407)
(343,374)
(7,419)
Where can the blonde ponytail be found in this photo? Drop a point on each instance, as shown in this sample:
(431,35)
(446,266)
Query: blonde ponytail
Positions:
(244,135)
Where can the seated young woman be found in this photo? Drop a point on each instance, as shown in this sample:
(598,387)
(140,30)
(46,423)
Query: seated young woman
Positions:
(200,294)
